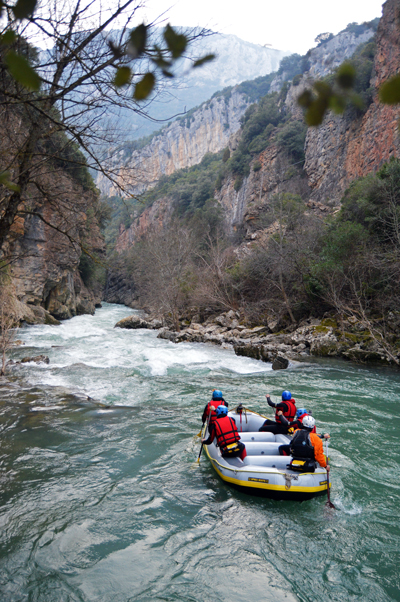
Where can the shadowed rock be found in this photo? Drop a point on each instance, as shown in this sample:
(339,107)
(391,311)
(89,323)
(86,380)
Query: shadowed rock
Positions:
(280,363)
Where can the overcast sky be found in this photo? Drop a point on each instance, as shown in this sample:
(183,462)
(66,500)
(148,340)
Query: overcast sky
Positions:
(285,24)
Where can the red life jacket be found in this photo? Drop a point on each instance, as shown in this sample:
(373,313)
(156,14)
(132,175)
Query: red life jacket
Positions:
(226,431)
(301,420)
(212,413)
(290,413)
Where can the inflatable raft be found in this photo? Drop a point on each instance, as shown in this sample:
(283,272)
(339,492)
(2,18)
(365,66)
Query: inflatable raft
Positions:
(264,472)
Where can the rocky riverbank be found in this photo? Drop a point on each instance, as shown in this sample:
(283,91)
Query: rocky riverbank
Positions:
(312,337)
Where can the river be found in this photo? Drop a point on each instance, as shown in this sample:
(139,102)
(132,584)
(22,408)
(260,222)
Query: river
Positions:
(101,498)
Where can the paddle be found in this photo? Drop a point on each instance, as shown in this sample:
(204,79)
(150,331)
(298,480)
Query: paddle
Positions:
(239,410)
(328,503)
(208,423)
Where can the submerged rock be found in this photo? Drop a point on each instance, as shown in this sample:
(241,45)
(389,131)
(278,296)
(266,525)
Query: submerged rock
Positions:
(38,359)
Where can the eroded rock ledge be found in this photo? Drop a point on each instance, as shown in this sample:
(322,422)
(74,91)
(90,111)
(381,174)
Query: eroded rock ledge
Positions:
(312,337)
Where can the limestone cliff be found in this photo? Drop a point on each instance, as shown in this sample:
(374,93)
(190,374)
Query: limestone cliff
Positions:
(329,55)
(181,144)
(345,148)
(342,149)
(45,263)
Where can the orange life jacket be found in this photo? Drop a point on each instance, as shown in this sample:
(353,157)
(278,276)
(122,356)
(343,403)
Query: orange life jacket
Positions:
(290,413)
(226,431)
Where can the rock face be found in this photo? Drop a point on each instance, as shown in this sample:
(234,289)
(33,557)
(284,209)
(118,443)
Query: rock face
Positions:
(236,61)
(329,55)
(343,149)
(45,273)
(154,217)
(246,208)
(44,267)
(340,150)
(181,144)
(120,289)
(209,128)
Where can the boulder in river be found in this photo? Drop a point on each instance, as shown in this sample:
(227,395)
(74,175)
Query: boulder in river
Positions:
(134,322)
(169,335)
(280,363)
(38,359)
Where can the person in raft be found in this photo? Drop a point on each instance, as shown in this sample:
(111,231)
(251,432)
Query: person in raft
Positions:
(305,448)
(228,438)
(209,411)
(296,424)
(288,408)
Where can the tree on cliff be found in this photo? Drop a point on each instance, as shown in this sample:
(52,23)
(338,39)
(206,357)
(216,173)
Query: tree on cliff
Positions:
(52,107)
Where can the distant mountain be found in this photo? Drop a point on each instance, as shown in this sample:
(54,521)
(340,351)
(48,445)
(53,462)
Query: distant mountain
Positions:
(237,61)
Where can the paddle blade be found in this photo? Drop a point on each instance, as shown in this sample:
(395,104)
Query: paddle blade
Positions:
(328,503)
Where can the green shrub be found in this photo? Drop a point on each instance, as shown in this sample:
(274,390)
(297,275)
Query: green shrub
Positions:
(297,79)
(374,203)
(238,183)
(291,137)
(226,155)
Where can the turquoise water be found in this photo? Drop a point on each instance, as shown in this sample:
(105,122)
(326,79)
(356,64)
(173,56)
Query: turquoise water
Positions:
(101,498)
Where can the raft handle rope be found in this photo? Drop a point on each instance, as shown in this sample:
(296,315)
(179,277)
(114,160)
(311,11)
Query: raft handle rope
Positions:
(237,469)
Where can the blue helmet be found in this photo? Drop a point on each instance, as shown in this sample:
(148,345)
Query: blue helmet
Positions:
(300,412)
(217,395)
(221,411)
(286,396)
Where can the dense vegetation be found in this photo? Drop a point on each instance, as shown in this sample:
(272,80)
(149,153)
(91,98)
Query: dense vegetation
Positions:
(263,124)
(348,264)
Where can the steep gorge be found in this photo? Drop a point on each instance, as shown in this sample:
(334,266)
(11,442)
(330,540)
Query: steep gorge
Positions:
(282,264)
(334,153)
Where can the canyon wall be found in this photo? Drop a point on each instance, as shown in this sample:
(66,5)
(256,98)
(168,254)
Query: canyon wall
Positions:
(45,261)
(332,156)
(181,144)
(342,149)
(55,220)
(345,148)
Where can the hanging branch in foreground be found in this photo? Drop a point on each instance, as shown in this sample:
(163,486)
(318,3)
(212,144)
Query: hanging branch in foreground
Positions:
(63,94)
